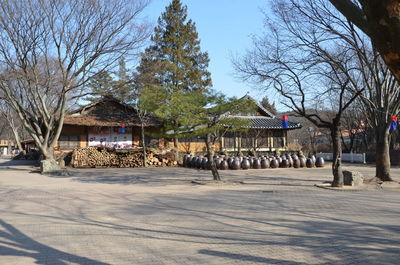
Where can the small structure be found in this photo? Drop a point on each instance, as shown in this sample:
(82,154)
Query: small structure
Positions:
(266,132)
(6,146)
(107,122)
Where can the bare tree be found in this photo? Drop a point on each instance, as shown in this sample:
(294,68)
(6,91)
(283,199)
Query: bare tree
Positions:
(49,49)
(353,124)
(309,62)
(381,100)
(380,20)
(12,122)
(310,36)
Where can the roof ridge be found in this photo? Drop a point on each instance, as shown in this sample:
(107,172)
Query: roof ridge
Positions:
(247,96)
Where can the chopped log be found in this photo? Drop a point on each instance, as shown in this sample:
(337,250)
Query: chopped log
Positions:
(126,158)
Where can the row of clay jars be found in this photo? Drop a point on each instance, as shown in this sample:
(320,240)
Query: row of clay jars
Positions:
(246,163)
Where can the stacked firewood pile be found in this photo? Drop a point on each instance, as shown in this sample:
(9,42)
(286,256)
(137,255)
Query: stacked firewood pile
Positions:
(109,157)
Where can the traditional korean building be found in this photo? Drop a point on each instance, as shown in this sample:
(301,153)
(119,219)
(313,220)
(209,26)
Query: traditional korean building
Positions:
(111,123)
(106,122)
(265,132)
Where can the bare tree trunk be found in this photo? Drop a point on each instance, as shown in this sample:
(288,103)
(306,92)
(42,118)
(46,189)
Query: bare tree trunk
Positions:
(176,142)
(382,156)
(239,144)
(312,140)
(337,157)
(9,147)
(210,156)
(17,139)
(47,152)
(144,146)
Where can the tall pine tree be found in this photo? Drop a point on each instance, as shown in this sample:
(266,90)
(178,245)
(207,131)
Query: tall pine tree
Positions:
(118,84)
(270,107)
(178,68)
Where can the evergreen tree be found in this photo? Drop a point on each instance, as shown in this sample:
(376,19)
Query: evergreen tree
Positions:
(118,85)
(213,122)
(122,87)
(176,46)
(175,70)
(266,104)
(100,84)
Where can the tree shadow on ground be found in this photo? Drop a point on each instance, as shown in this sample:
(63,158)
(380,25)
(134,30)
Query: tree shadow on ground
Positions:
(249,258)
(19,165)
(15,243)
(184,176)
(229,220)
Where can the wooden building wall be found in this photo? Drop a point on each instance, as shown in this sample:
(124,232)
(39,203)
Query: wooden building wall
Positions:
(77,136)
(192,146)
(72,137)
(262,140)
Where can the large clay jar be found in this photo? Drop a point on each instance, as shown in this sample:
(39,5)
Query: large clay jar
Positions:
(320,162)
(199,162)
(245,164)
(186,161)
(294,157)
(290,160)
(189,161)
(223,165)
(251,161)
(236,164)
(193,162)
(230,160)
(284,163)
(296,163)
(218,162)
(265,163)
(232,164)
(256,163)
(309,163)
(302,162)
(274,163)
(204,163)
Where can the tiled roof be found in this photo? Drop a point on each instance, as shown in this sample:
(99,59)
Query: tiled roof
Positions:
(261,107)
(260,122)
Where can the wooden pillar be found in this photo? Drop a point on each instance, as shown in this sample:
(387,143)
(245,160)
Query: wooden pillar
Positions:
(285,139)
(271,139)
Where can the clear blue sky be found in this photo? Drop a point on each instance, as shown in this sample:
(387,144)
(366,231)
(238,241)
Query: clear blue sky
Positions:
(225,28)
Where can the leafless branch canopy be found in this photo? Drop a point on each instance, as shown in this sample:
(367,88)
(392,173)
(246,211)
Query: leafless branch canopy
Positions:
(50,48)
(312,56)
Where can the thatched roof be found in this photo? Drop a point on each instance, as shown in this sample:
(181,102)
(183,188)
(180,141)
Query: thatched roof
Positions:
(108,112)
